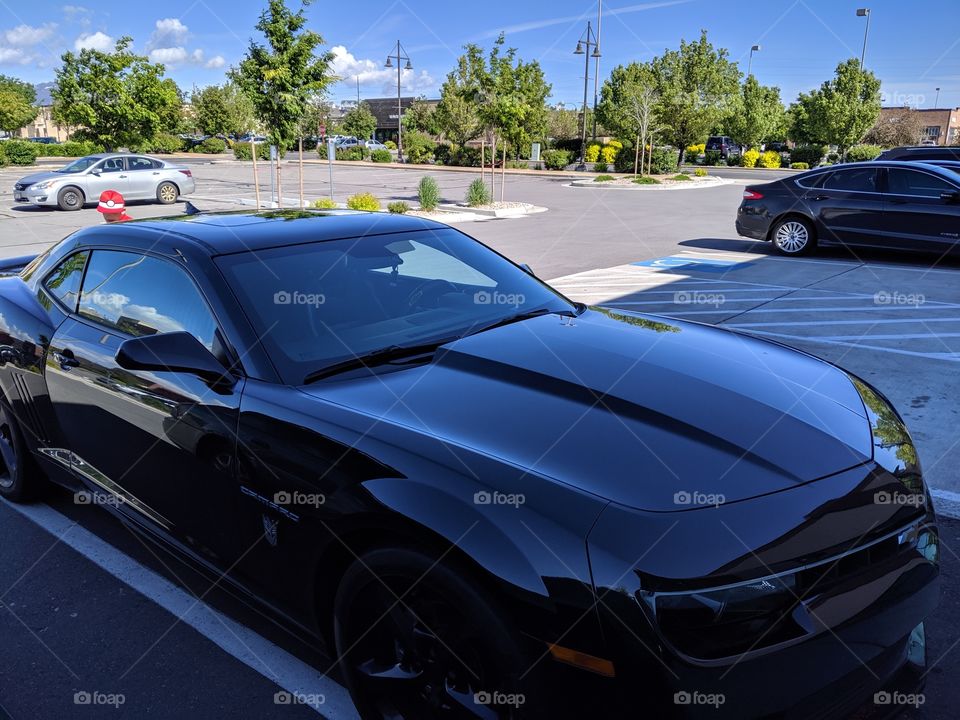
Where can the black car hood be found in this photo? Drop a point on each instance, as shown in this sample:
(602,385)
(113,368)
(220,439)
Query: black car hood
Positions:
(648,412)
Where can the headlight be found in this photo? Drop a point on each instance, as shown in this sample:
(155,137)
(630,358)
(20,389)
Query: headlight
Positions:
(46,184)
(721,622)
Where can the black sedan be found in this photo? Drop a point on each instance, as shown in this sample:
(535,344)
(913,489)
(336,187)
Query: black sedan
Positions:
(886,205)
(485,500)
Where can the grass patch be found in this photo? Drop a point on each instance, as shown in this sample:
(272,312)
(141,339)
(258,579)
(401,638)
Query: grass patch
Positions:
(604,178)
(681,177)
(398,207)
(646,180)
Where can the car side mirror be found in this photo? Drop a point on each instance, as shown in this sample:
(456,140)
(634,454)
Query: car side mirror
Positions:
(172,352)
(527,269)
(949,196)
(95,172)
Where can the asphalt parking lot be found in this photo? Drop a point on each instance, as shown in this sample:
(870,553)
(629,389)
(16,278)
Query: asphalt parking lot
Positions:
(86,607)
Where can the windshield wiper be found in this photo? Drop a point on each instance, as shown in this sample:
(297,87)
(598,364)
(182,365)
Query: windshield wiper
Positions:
(377,357)
(519,317)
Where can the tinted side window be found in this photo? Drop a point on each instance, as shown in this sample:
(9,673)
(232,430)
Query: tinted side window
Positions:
(859,179)
(914,182)
(141,163)
(111,165)
(63,282)
(141,295)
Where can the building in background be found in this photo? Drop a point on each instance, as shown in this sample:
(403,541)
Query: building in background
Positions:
(43,125)
(385,111)
(941,126)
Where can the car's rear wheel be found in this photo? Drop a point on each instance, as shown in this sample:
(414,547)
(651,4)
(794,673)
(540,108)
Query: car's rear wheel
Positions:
(418,641)
(167,193)
(17,481)
(793,236)
(70,198)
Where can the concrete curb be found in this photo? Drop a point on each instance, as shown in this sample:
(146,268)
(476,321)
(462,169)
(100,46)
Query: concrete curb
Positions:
(691,185)
(946,503)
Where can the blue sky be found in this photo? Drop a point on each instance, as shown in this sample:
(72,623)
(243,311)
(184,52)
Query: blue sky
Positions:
(912,48)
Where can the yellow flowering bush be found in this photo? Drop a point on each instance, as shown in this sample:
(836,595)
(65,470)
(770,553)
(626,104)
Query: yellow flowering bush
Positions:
(609,152)
(750,157)
(592,153)
(770,159)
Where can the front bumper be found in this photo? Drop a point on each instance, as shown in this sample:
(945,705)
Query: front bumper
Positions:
(36,197)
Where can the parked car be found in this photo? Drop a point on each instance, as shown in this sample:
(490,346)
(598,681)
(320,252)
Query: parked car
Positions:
(136,177)
(891,205)
(44,140)
(487,501)
(722,144)
(374,145)
(921,152)
(347,142)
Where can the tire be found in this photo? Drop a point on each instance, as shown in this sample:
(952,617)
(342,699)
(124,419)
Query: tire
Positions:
(167,193)
(70,198)
(793,236)
(18,475)
(433,654)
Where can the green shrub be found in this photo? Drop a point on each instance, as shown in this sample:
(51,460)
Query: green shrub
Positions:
(700,172)
(241,151)
(478,193)
(165,143)
(799,166)
(74,148)
(749,158)
(324,204)
(556,159)
(21,152)
(691,157)
(681,177)
(417,148)
(832,158)
(442,153)
(602,166)
(770,159)
(646,180)
(351,154)
(429,193)
(3,156)
(663,160)
(391,145)
(211,146)
(518,165)
(712,157)
(861,153)
(398,207)
(381,156)
(464,157)
(592,153)
(809,154)
(363,201)
(604,178)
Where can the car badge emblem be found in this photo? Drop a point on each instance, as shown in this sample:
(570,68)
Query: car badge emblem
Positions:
(270,530)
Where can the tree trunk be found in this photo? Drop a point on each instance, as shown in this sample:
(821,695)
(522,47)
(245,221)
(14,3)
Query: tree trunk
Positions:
(256,177)
(302,203)
(483,163)
(503,170)
(493,168)
(636,156)
(279,184)
(679,156)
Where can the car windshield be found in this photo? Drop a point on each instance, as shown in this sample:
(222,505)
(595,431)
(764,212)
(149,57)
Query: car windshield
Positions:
(79,165)
(319,304)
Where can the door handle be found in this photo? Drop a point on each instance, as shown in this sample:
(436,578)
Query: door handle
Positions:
(818,197)
(156,172)
(65,359)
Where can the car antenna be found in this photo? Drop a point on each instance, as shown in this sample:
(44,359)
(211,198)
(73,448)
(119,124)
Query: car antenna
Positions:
(191,209)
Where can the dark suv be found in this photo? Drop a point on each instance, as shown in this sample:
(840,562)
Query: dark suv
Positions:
(920,152)
(722,144)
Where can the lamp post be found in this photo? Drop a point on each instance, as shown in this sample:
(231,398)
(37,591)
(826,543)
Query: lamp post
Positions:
(936,103)
(587,40)
(750,61)
(596,68)
(400,55)
(864,12)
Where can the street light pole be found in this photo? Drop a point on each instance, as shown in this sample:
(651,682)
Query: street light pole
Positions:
(864,12)
(400,55)
(587,40)
(750,61)
(596,69)
(936,103)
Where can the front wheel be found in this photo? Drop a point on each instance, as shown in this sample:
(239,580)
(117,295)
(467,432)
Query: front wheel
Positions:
(167,193)
(793,236)
(70,198)
(18,482)
(418,641)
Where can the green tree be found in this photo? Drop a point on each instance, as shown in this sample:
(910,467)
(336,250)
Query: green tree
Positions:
(562,124)
(902,126)
(281,77)
(696,85)
(461,94)
(628,106)
(757,115)
(115,98)
(16,103)
(841,111)
(359,122)
(421,117)
(222,110)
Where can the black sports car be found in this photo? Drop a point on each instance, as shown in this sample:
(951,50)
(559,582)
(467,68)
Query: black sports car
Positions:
(886,205)
(486,500)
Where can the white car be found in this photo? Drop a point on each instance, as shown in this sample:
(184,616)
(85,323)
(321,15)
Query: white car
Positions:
(375,145)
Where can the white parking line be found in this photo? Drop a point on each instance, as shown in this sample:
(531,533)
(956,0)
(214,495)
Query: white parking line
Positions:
(254,651)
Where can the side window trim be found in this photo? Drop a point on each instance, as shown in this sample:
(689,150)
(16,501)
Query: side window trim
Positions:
(919,171)
(83,274)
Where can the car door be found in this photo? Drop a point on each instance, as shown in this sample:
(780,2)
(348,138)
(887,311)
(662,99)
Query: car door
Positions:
(159,444)
(143,177)
(919,212)
(848,206)
(108,174)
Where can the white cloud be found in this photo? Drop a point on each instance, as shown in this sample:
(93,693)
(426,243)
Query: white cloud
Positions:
(27,36)
(168,55)
(169,32)
(13,56)
(348,68)
(216,61)
(95,41)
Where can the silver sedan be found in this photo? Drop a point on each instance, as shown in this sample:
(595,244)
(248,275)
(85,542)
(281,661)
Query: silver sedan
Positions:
(136,177)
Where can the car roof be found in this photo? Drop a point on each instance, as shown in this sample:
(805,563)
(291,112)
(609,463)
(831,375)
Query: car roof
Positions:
(223,233)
